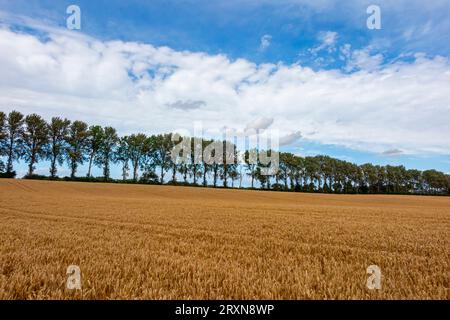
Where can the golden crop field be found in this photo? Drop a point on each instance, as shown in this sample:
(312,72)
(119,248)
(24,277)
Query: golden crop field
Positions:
(164,242)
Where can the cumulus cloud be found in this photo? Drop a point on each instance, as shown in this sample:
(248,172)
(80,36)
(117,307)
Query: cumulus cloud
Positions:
(290,138)
(259,124)
(361,59)
(130,85)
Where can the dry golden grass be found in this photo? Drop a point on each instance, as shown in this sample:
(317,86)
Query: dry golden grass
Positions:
(161,242)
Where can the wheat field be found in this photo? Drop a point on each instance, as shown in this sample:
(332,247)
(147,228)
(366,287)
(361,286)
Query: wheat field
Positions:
(164,242)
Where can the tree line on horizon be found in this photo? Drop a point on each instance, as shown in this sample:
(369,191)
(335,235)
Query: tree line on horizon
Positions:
(61,141)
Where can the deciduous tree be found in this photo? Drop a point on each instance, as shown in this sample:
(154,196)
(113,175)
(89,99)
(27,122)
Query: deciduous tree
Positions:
(105,154)
(58,130)
(96,134)
(34,138)
(14,143)
(76,145)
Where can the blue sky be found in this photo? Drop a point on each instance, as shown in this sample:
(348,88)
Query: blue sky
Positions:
(234,27)
(357,94)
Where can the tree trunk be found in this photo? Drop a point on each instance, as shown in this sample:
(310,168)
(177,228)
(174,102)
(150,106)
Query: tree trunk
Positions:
(240,177)
(124,171)
(225,176)
(106,171)
(73,166)
(174,173)
(204,177)
(195,173)
(215,176)
(9,165)
(53,167)
(285,181)
(135,169)
(30,166)
(90,165)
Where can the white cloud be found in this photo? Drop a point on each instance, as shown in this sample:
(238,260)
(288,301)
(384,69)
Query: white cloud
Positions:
(327,40)
(290,138)
(265,42)
(361,59)
(131,86)
(259,124)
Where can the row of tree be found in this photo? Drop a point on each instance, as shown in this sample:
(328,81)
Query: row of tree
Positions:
(150,159)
